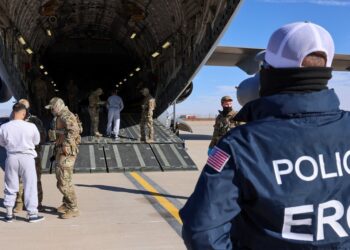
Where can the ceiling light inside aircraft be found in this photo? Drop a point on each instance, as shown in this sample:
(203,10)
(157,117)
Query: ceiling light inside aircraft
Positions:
(120,83)
(41,66)
(48,32)
(21,40)
(56,90)
(137,69)
(125,80)
(131,74)
(55,85)
(29,51)
(155,54)
(46,73)
(133,35)
(166,45)
(52,82)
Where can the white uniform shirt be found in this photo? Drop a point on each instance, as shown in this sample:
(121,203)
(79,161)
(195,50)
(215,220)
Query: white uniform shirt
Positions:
(115,102)
(19,136)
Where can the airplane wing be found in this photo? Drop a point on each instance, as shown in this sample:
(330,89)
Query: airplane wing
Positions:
(244,58)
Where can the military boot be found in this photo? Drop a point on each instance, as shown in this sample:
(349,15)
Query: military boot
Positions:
(71,213)
(41,208)
(18,208)
(62,209)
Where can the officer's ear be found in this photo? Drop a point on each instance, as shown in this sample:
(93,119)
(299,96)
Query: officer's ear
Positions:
(23,113)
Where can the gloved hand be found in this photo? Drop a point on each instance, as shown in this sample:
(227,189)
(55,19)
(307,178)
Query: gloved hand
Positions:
(209,150)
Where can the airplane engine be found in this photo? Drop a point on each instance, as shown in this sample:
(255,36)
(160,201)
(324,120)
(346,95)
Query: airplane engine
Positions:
(185,94)
(248,90)
(5,93)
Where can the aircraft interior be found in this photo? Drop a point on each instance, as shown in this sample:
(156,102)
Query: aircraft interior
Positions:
(123,44)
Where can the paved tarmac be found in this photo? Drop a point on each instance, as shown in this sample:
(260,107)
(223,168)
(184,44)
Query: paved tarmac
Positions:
(118,210)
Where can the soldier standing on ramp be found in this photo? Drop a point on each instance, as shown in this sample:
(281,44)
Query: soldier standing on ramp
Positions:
(39,125)
(67,132)
(148,106)
(94,110)
(223,122)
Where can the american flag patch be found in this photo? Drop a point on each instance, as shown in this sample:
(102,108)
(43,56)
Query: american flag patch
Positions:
(217,159)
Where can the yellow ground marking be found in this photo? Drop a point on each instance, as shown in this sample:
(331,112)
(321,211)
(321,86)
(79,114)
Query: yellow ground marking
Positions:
(162,201)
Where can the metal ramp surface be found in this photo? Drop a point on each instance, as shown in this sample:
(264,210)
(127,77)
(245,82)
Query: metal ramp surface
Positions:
(130,132)
(120,157)
(103,154)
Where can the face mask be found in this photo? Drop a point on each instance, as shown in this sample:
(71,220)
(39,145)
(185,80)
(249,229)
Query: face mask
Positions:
(54,111)
(226,110)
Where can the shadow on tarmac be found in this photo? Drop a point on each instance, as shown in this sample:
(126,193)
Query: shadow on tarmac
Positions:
(195,137)
(131,191)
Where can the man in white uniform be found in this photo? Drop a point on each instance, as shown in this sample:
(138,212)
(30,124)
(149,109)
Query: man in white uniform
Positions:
(19,138)
(115,105)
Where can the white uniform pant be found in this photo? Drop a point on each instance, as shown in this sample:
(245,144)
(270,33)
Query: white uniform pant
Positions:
(113,117)
(21,165)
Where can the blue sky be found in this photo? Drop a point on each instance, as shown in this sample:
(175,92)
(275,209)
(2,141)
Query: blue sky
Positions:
(252,26)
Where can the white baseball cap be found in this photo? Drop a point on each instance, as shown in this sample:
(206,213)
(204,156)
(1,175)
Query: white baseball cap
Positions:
(289,45)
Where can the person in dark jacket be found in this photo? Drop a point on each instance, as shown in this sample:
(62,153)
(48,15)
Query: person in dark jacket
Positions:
(223,122)
(281,181)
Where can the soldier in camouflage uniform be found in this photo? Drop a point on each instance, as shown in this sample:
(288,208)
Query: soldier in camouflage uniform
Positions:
(94,110)
(148,106)
(224,121)
(66,135)
(20,195)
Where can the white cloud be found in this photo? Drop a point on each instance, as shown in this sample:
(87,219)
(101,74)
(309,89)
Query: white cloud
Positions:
(318,2)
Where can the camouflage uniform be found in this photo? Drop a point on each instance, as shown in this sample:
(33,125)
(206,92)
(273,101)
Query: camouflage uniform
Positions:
(67,138)
(223,124)
(94,111)
(20,195)
(147,118)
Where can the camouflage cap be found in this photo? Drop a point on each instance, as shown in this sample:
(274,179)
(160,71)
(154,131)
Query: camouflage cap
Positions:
(226,98)
(54,102)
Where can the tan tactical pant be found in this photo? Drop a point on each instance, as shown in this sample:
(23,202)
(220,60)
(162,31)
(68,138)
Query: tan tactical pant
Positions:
(64,174)
(20,194)
(146,122)
(94,117)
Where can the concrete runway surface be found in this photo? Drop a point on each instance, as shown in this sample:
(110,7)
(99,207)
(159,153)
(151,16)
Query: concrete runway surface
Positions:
(117,210)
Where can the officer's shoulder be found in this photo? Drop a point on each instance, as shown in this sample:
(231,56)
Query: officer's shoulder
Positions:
(67,115)
(35,119)
(219,115)
(249,127)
